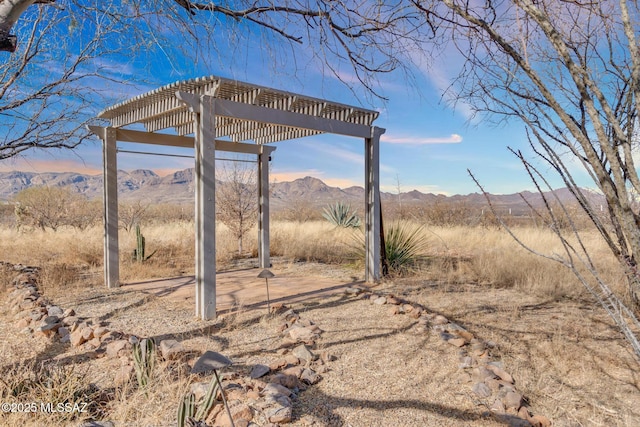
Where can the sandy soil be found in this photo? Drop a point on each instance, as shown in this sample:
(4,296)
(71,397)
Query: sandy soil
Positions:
(566,356)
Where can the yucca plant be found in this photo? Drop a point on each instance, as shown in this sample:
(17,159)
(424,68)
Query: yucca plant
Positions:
(404,246)
(341,215)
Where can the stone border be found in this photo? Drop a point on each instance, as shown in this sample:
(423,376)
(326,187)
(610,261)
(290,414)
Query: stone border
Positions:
(491,382)
(264,395)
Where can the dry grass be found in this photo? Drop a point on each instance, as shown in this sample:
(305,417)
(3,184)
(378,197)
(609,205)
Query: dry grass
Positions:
(455,254)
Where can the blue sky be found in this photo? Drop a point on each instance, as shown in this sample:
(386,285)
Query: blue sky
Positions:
(429,143)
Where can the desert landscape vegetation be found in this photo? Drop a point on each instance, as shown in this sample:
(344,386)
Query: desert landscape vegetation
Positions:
(377,364)
(492,310)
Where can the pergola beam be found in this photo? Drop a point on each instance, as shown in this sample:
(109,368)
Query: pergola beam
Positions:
(136,136)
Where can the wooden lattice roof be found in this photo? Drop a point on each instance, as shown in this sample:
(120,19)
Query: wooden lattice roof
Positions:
(160,109)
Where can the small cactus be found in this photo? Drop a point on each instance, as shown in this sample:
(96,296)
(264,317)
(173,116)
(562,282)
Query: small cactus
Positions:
(191,413)
(139,251)
(144,353)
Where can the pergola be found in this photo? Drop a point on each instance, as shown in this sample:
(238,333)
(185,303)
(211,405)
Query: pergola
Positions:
(229,115)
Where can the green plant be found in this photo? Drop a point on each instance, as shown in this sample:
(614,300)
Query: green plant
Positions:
(188,408)
(139,251)
(404,245)
(144,353)
(341,215)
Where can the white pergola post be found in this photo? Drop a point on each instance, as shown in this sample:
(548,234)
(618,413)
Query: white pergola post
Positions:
(110,199)
(372,214)
(263,208)
(205,151)
(203,108)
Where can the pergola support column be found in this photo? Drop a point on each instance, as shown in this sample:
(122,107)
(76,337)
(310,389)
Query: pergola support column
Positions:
(205,210)
(110,195)
(263,209)
(372,214)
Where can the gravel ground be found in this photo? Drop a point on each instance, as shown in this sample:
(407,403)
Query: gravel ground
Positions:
(565,356)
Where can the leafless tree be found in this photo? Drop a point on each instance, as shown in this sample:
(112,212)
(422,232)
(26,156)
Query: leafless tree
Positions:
(570,72)
(58,69)
(237,198)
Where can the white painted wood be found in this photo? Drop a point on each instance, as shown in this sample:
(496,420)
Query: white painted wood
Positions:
(110,203)
(264,255)
(136,136)
(206,208)
(372,214)
(238,110)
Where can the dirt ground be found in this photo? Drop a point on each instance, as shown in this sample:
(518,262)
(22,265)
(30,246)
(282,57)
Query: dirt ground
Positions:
(567,357)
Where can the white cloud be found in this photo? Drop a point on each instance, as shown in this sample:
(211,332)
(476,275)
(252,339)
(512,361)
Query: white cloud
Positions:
(454,138)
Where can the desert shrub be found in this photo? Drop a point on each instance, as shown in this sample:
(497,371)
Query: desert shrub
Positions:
(341,215)
(298,209)
(54,207)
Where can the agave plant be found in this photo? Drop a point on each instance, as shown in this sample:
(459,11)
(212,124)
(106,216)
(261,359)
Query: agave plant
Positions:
(341,215)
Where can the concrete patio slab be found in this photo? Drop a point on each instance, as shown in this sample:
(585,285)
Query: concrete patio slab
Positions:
(243,289)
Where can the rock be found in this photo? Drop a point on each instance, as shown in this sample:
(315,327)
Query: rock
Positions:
(302,333)
(393,300)
(97,424)
(100,331)
(393,310)
(69,312)
(512,399)
(498,407)
(480,374)
(523,413)
(63,331)
(277,364)
(76,339)
(481,389)
(209,361)
(380,301)
(87,333)
(302,352)
(274,388)
(259,371)
(440,320)
(466,335)
(458,342)
(279,414)
(54,310)
(540,421)
(501,373)
(352,290)
(123,375)
(291,359)
(289,381)
(296,371)
(67,321)
(309,376)
(493,384)
(416,313)
(51,319)
(114,348)
(239,411)
(49,328)
(407,308)
(171,349)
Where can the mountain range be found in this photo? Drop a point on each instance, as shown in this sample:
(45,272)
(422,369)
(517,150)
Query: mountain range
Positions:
(146,185)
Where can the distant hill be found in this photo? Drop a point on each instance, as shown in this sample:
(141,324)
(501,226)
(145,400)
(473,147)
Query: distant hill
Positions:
(179,188)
